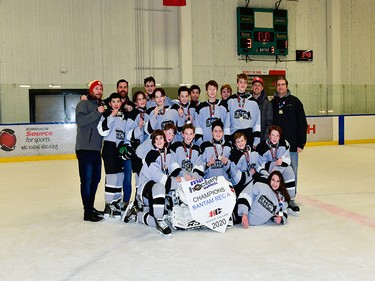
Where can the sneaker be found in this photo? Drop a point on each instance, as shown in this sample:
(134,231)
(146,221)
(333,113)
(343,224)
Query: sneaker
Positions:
(162,227)
(92,217)
(130,212)
(293,208)
(111,212)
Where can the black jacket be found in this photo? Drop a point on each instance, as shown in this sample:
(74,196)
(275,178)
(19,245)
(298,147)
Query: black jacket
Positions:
(289,114)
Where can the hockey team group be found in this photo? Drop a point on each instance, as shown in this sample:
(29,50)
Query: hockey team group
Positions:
(244,137)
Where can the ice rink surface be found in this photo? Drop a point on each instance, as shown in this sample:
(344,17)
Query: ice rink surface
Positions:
(43,235)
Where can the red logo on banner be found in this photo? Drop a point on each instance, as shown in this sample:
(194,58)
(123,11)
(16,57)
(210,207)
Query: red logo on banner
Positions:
(7,140)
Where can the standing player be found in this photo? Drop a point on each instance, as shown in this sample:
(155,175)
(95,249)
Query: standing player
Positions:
(185,110)
(150,85)
(208,112)
(225,91)
(136,121)
(195,92)
(112,127)
(135,128)
(244,113)
(162,114)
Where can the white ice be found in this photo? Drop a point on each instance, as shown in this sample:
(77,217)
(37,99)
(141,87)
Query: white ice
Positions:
(43,235)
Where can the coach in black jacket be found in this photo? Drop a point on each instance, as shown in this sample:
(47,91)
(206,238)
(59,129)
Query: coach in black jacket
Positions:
(289,114)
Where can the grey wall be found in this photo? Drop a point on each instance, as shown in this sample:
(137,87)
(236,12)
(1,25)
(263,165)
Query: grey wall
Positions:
(132,39)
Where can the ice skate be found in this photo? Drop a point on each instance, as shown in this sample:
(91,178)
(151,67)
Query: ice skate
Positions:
(123,205)
(112,210)
(230,222)
(163,228)
(130,213)
(293,208)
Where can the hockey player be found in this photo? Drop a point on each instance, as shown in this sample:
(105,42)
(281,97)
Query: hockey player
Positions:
(264,202)
(209,111)
(135,128)
(225,91)
(273,155)
(186,159)
(136,133)
(244,113)
(154,182)
(162,114)
(140,157)
(215,153)
(112,127)
(150,85)
(243,163)
(185,111)
(169,132)
(195,92)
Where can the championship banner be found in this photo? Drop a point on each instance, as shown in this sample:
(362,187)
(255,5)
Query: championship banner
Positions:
(211,201)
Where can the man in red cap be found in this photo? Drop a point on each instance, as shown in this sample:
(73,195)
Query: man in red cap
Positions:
(88,146)
(265,106)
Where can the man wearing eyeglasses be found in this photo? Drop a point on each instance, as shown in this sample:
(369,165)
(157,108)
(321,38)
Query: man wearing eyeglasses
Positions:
(289,114)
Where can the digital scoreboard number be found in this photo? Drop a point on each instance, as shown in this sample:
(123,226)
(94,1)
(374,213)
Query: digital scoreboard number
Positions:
(262,31)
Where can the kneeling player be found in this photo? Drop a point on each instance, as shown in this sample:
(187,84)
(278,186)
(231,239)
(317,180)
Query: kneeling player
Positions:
(215,153)
(186,157)
(243,161)
(154,182)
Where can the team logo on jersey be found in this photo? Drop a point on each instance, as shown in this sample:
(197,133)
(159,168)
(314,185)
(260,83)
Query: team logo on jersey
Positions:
(217,165)
(7,140)
(120,135)
(242,114)
(209,121)
(266,203)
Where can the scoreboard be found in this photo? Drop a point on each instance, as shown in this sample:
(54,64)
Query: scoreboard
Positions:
(262,31)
